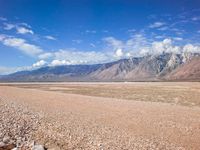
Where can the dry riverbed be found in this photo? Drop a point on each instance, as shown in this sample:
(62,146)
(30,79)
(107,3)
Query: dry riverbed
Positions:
(100,116)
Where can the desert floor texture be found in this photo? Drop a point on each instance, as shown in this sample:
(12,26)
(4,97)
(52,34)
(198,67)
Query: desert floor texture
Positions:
(101,116)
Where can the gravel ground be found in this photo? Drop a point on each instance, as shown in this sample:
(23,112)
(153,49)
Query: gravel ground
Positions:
(31,118)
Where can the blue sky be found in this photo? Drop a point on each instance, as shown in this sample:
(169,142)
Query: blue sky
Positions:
(35,33)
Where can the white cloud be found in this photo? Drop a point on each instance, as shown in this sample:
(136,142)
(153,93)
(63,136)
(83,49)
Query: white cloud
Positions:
(8,70)
(45,55)
(2,37)
(8,26)
(39,63)
(113,42)
(131,46)
(24,24)
(60,62)
(21,44)
(191,48)
(164,46)
(167,46)
(157,24)
(119,52)
(23,30)
(78,57)
(50,37)
(128,55)
(144,51)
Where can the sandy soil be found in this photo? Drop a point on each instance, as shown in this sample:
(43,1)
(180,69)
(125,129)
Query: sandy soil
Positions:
(75,121)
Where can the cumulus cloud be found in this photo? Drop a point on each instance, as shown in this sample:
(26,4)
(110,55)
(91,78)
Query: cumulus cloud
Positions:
(21,44)
(191,48)
(39,63)
(157,24)
(60,62)
(119,52)
(164,46)
(23,30)
(49,37)
(130,46)
(167,46)
(78,57)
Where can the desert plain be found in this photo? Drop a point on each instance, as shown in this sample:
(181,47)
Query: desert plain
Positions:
(101,116)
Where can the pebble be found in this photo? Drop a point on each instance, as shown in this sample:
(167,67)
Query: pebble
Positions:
(38,147)
(2,144)
(6,139)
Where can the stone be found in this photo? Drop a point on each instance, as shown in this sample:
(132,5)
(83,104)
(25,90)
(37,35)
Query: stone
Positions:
(6,139)
(38,147)
(2,144)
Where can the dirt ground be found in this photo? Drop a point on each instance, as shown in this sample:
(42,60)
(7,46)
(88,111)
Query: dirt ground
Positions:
(106,115)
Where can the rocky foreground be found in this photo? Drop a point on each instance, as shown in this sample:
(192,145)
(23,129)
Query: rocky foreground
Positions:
(37,120)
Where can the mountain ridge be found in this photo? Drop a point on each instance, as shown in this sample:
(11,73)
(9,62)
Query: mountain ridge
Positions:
(166,66)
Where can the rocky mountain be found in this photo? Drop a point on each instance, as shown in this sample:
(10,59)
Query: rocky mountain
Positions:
(187,71)
(148,68)
(166,66)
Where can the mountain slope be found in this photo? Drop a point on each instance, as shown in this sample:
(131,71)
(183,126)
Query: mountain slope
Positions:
(116,70)
(167,66)
(188,71)
(54,73)
(152,67)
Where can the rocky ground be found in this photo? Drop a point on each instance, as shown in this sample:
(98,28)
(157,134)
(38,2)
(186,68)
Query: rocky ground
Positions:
(36,119)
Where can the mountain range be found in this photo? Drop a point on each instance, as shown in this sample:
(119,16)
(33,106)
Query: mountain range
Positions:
(162,67)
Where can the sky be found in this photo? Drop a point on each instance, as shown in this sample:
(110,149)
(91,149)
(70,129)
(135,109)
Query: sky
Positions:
(37,33)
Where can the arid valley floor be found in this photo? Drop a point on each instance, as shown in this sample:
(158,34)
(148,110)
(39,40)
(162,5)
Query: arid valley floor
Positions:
(101,116)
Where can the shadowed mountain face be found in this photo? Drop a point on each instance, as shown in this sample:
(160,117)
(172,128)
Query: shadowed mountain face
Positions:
(166,66)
